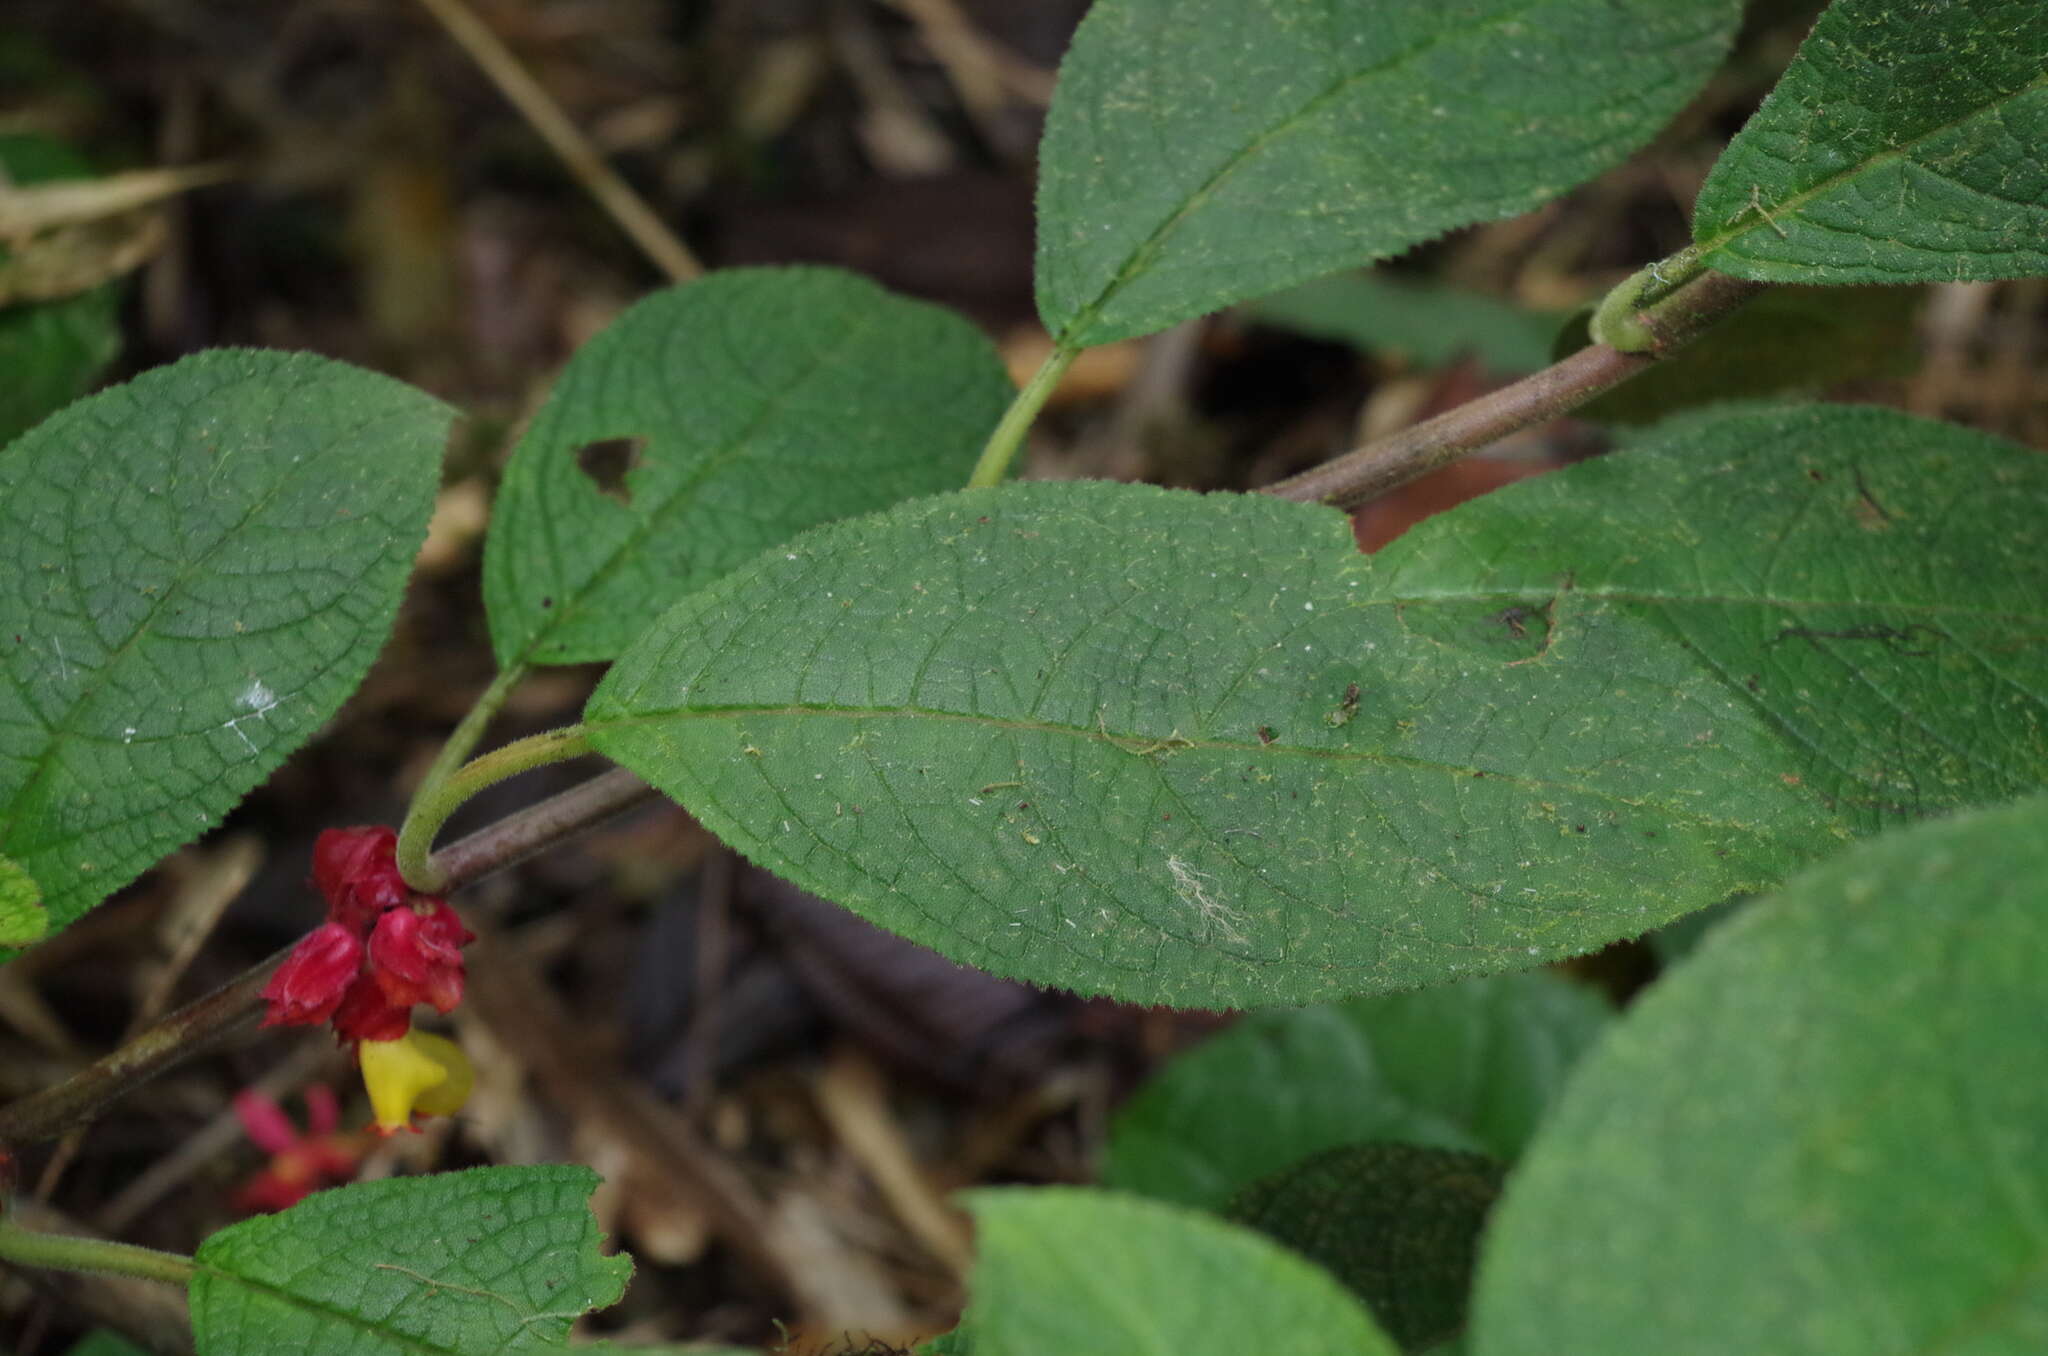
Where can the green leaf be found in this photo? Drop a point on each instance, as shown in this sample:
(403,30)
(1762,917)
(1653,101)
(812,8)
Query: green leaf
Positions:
(1788,339)
(484,1261)
(51,351)
(1397,1223)
(104,1343)
(1199,751)
(1093,1273)
(1903,145)
(22,919)
(196,569)
(1462,1066)
(1428,322)
(1826,1134)
(1199,152)
(759,402)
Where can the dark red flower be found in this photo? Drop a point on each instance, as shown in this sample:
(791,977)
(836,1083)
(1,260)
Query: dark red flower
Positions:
(311,983)
(416,954)
(357,870)
(366,1014)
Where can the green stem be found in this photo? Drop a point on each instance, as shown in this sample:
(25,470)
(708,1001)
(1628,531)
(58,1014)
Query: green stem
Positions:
(1617,321)
(1009,435)
(68,1252)
(435,801)
(446,763)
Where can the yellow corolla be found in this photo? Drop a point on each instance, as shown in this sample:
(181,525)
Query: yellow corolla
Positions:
(418,1074)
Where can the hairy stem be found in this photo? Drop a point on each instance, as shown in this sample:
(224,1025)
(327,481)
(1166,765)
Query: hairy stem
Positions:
(1390,462)
(1016,422)
(68,1252)
(195,1027)
(454,753)
(435,801)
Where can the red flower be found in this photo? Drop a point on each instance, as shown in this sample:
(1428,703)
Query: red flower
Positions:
(366,1014)
(357,870)
(300,1164)
(416,954)
(309,986)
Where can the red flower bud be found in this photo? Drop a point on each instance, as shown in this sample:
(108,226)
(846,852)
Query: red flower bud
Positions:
(416,954)
(366,1014)
(311,983)
(357,870)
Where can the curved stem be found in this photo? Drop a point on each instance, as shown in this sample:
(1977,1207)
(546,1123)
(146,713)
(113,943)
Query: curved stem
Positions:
(68,1252)
(433,803)
(454,753)
(1390,462)
(1016,422)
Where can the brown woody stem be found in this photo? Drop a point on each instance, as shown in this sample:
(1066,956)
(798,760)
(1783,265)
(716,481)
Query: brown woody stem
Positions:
(1390,462)
(233,1007)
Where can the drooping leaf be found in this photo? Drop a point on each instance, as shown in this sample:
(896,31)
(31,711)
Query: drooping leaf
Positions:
(1790,339)
(1199,152)
(1825,1135)
(1463,1066)
(1430,323)
(1902,145)
(751,404)
(459,1264)
(1094,1273)
(51,351)
(196,569)
(1397,1223)
(1200,751)
(22,919)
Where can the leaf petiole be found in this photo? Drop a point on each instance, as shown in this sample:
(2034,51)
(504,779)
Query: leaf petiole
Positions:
(438,799)
(1016,421)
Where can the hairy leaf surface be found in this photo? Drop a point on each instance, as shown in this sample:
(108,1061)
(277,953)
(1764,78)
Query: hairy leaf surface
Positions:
(1462,1066)
(1396,1223)
(1826,1134)
(196,569)
(1902,145)
(458,1264)
(749,405)
(1200,751)
(1199,153)
(1093,1273)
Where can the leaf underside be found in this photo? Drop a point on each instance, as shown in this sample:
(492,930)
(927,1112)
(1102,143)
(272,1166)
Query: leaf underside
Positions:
(758,402)
(1826,1134)
(197,569)
(1198,751)
(1902,145)
(1197,154)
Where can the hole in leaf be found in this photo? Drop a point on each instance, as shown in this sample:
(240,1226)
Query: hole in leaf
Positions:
(607,462)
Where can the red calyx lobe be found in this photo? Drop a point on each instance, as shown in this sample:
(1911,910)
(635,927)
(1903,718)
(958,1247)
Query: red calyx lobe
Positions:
(357,870)
(416,954)
(309,986)
(382,949)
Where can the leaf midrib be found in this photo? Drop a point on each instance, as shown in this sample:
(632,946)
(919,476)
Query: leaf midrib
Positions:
(1154,745)
(1798,201)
